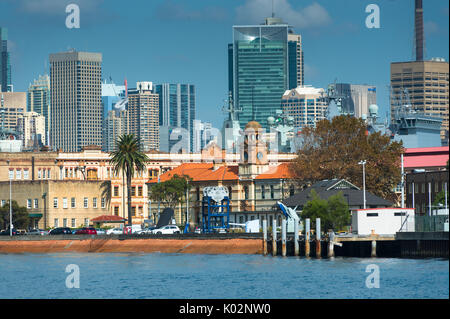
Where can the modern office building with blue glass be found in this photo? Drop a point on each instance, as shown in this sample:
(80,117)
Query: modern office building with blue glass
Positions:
(264,61)
(176,110)
(5,65)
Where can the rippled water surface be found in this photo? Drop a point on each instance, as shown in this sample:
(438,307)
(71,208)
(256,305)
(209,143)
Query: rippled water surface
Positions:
(218,276)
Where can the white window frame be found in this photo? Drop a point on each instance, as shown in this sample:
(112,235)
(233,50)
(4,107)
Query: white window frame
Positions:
(26,174)
(36,203)
(73,202)
(56,222)
(94,202)
(65,203)
(18,174)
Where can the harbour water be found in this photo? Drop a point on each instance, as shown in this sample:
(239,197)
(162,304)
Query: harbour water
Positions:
(190,276)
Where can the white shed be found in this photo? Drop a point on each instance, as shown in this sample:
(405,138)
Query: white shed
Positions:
(382,221)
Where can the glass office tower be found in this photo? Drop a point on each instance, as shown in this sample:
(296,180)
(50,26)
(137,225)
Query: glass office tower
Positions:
(5,65)
(176,110)
(261,59)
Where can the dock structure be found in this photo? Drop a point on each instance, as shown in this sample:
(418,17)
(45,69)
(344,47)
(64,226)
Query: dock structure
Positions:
(402,245)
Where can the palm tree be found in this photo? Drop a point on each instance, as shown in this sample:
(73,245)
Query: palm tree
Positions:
(128,158)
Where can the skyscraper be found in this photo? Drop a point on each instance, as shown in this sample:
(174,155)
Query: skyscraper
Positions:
(356,98)
(76,109)
(422,84)
(5,65)
(264,61)
(143,115)
(38,100)
(176,111)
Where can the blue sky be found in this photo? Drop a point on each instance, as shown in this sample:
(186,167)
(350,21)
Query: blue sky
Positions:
(186,40)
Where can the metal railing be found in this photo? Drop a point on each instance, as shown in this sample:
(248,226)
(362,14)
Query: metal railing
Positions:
(430,223)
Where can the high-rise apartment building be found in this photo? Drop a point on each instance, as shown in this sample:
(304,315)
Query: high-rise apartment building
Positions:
(76,108)
(115,125)
(305,104)
(176,113)
(12,106)
(143,115)
(31,126)
(5,65)
(38,100)
(356,98)
(424,85)
(264,61)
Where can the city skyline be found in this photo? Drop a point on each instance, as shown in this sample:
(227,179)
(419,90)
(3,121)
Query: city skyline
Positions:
(115,32)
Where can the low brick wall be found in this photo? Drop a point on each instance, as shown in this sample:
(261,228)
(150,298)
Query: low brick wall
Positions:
(144,245)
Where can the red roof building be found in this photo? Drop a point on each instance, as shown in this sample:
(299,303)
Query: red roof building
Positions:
(428,158)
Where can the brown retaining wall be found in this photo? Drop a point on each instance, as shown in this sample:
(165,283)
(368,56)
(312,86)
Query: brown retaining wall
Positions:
(146,245)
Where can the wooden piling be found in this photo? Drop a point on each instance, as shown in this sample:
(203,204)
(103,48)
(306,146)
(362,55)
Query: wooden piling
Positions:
(274,237)
(374,249)
(307,236)
(283,237)
(265,237)
(296,246)
(330,249)
(318,238)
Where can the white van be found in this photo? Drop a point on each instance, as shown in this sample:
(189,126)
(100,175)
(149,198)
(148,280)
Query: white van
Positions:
(134,229)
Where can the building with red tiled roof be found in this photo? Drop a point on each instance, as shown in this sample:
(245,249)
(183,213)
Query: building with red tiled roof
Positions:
(251,197)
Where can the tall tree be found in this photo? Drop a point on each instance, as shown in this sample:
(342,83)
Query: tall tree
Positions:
(128,159)
(333,149)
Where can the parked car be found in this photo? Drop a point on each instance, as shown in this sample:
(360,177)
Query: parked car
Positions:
(60,231)
(198,230)
(7,233)
(145,231)
(168,229)
(39,232)
(86,231)
(114,231)
(100,231)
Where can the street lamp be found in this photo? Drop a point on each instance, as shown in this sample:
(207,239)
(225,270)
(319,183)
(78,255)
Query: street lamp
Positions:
(10,199)
(363,163)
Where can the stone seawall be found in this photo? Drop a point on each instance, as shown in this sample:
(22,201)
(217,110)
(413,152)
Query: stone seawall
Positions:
(144,245)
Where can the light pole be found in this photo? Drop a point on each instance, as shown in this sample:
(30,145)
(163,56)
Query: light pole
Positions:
(10,199)
(363,163)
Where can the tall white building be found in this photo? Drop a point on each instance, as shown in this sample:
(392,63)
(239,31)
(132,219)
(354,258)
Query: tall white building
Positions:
(31,127)
(305,105)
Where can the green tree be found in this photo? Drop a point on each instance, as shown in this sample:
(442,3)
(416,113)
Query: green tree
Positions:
(333,149)
(440,199)
(171,192)
(19,216)
(333,213)
(128,159)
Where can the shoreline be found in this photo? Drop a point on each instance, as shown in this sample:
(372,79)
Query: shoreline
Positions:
(134,245)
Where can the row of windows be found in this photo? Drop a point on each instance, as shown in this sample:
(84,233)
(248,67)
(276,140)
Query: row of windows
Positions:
(424,187)
(25,173)
(134,190)
(65,202)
